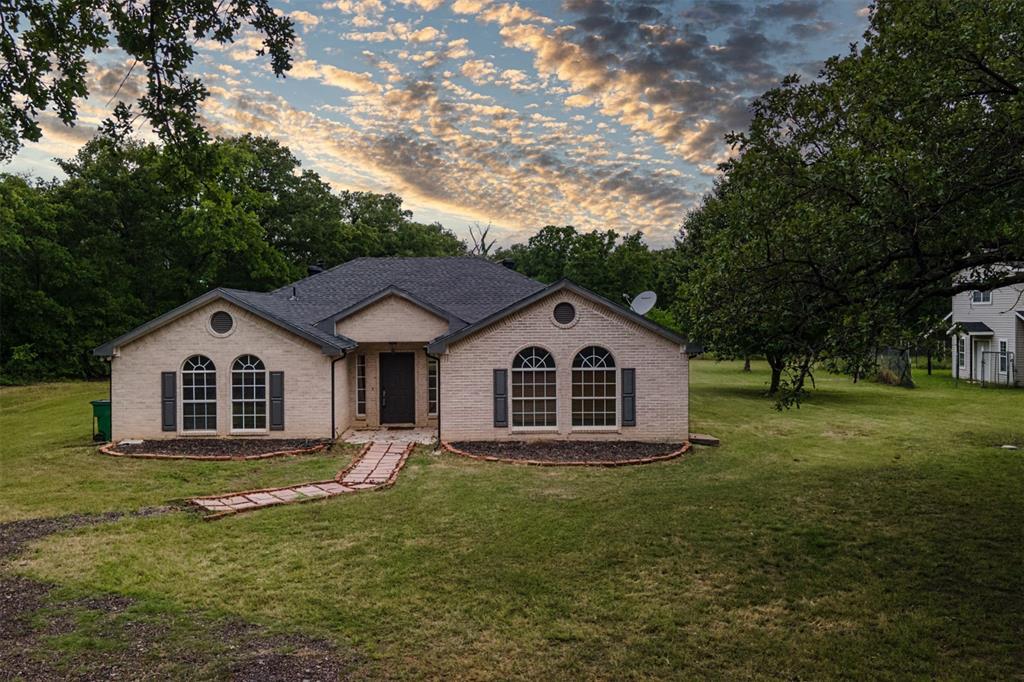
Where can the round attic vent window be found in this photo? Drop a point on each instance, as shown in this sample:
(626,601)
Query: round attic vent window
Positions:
(221,322)
(565,313)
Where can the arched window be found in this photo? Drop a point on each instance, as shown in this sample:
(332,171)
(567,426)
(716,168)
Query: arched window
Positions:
(593,388)
(198,394)
(248,394)
(533,389)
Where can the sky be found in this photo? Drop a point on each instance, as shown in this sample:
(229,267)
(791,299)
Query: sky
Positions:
(603,114)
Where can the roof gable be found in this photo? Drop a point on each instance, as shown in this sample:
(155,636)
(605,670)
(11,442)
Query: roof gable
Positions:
(330,344)
(328,324)
(440,344)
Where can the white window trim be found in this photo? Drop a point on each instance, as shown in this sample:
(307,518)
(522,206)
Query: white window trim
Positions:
(361,356)
(1003,355)
(548,428)
(182,431)
(981,302)
(437,387)
(266,399)
(961,356)
(617,426)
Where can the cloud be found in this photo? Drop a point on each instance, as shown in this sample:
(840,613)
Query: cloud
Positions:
(578,101)
(305,18)
(335,77)
(425,5)
(424,35)
(478,70)
(469,6)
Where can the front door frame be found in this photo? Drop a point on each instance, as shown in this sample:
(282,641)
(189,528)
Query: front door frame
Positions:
(382,396)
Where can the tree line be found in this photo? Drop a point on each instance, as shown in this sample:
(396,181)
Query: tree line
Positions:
(135,229)
(851,209)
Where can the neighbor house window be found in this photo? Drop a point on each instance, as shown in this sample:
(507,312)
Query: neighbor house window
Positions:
(533,389)
(199,394)
(432,386)
(248,394)
(1004,357)
(361,385)
(593,388)
(961,351)
(981,297)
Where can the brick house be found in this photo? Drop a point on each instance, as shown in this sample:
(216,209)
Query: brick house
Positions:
(462,345)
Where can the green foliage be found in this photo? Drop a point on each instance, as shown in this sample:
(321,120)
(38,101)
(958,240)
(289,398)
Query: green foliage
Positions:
(596,260)
(859,201)
(44,49)
(134,231)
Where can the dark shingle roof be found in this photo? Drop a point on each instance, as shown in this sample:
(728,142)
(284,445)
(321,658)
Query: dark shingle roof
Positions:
(467,288)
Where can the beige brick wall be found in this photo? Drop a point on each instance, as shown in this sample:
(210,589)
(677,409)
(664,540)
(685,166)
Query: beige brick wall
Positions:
(392,319)
(136,374)
(661,373)
(372,352)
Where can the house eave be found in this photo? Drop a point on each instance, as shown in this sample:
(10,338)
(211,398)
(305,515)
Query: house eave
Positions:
(109,349)
(441,343)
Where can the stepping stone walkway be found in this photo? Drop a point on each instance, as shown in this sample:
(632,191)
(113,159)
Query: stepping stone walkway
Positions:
(377,467)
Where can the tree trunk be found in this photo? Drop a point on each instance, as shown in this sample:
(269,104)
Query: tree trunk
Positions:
(746,363)
(776,363)
(929,363)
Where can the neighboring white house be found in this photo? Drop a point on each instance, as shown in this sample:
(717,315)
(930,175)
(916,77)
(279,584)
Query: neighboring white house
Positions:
(987,332)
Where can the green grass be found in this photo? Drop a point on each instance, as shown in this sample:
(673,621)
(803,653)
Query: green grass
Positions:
(875,532)
(49,465)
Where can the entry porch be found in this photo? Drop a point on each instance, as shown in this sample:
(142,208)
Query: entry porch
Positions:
(392,384)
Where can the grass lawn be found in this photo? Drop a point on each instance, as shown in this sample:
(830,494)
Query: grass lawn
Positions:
(875,532)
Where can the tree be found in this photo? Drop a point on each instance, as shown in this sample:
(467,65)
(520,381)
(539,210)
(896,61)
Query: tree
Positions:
(854,201)
(478,235)
(135,230)
(44,46)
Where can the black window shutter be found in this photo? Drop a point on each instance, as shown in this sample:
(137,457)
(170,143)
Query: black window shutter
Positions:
(629,397)
(168,401)
(277,401)
(501,397)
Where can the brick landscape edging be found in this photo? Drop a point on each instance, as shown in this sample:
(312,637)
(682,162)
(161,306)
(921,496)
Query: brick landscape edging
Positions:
(545,463)
(337,479)
(108,449)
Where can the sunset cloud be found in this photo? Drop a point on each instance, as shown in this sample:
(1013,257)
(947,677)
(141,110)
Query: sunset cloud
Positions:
(605,114)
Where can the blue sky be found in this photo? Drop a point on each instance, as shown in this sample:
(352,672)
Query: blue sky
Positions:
(604,114)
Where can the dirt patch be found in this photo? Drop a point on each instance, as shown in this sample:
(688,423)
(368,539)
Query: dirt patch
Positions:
(217,448)
(15,534)
(41,637)
(608,453)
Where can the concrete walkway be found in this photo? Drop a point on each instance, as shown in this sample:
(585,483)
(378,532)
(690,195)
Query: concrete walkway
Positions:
(376,467)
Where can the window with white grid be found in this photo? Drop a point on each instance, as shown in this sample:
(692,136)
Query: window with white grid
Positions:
(248,394)
(199,394)
(533,389)
(432,386)
(361,385)
(593,388)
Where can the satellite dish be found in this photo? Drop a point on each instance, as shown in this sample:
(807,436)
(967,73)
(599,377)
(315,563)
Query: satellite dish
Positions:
(643,302)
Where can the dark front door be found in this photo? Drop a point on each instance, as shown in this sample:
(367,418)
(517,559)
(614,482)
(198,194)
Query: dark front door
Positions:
(397,388)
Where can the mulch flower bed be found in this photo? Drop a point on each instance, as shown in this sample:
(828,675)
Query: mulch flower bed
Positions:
(568,452)
(215,448)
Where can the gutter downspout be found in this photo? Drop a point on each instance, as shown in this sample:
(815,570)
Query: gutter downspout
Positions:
(437,358)
(334,428)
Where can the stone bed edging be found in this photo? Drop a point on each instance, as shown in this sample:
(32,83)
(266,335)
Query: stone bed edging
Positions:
(587,463)
(337,479)
(108,449)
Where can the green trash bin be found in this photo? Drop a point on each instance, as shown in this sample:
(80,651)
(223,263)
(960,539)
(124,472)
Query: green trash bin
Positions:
(101,420)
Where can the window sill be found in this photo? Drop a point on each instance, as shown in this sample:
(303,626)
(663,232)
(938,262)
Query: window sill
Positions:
(534,429)
(190,434)
(250,432)
(596,429)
